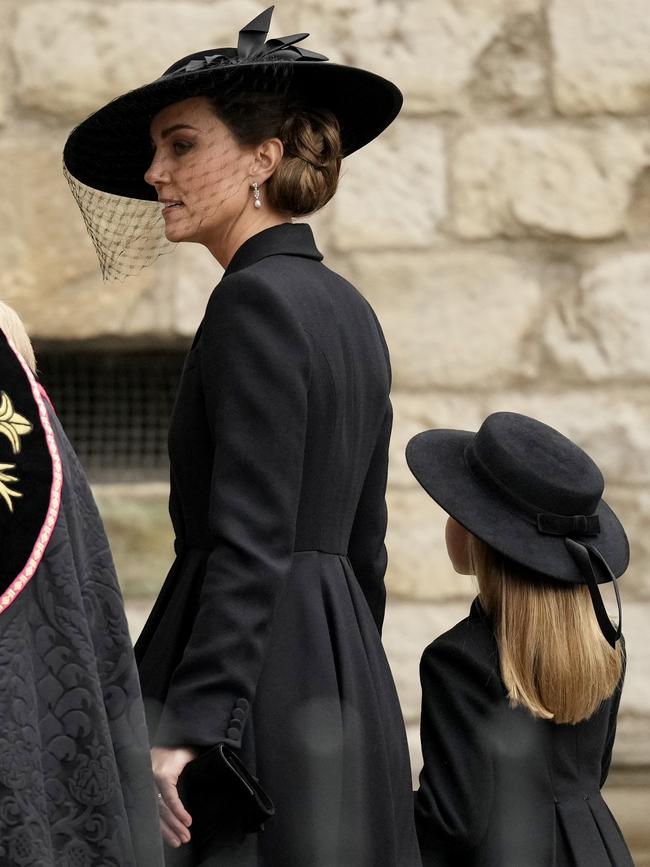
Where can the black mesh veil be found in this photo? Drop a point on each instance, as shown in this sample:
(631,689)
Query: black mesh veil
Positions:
(128,234)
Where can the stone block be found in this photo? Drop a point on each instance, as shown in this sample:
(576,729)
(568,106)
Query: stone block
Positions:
(428,50)
(140,535)
(601,333)
(633,509)
(50,271)
(192,287)
(418,565)
(413,413)
(6,72)
(511,73)
(460,319)
(628,795)
(47,259)
(613,426)
(388,200)
(601,56)
(545,181)
(409,627)
(74,61)
(137,611)
(5,92)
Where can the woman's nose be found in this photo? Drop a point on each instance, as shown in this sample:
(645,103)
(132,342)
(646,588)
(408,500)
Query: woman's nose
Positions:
(156,173)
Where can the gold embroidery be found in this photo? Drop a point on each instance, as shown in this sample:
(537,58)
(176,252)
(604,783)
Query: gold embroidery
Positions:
(5,492)
(12,424)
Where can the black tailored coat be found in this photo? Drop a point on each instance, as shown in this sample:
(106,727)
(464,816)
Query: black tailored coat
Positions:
(266,633)
(500,788)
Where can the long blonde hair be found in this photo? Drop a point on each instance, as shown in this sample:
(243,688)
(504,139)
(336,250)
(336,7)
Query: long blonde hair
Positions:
(554,658)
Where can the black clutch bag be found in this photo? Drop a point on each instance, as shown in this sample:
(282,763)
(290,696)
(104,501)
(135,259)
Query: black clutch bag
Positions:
(224,799)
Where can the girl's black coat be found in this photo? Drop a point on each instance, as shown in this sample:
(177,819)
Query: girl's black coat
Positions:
(500,788)
(266,634)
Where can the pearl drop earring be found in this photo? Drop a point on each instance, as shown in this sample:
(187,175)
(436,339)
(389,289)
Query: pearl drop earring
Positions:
(256,195)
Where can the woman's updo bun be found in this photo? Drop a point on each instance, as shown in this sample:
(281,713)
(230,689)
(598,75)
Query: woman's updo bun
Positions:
(308,174)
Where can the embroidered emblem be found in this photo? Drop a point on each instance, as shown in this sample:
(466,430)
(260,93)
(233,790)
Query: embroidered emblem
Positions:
(5,492)
(12,424)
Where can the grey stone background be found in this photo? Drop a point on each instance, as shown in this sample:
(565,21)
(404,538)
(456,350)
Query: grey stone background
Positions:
(500,228)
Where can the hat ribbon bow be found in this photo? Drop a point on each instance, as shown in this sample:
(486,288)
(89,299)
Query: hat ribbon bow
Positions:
(568,525)
(252,45)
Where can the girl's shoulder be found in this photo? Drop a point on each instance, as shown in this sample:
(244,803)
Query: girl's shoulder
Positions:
(467,653)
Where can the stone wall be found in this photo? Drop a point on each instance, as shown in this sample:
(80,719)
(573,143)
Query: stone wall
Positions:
(500,228)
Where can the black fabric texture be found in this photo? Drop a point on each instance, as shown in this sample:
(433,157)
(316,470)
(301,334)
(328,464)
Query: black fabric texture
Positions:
(76,786)
(266,634)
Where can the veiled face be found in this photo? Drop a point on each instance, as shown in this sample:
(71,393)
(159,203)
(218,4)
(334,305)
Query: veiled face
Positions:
(457,540)
(200,173)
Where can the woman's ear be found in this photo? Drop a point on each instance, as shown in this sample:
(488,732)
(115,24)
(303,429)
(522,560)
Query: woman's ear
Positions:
(266,158)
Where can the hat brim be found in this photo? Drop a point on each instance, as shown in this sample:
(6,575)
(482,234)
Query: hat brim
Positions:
(110,150)
(437,460)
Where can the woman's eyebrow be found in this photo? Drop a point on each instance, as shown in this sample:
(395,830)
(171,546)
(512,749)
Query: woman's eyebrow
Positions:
(176,126)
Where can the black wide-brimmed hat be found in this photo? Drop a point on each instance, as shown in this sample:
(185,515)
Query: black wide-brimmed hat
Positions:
(30,475)
(110,150)
(530,493)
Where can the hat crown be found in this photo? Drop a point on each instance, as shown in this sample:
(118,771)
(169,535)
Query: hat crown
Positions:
(535,465)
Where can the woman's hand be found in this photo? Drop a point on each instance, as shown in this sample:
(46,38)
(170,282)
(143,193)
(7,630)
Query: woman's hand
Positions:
(167,767)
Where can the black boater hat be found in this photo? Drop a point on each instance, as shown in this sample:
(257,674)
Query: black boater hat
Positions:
(531,494)
(110,150)
(30,475)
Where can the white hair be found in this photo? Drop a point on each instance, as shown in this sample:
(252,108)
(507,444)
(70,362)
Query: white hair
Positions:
(12,325)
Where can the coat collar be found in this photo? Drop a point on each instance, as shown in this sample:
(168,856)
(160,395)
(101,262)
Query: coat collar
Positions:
(287,239)
(478,614)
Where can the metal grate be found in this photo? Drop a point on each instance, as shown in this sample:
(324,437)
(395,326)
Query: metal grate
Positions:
(115,408)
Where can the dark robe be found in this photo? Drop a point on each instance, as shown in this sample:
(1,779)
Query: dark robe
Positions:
(499,787)
(266,634)
(76,787)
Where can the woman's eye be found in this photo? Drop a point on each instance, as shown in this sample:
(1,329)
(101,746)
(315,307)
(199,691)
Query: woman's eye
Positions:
(181,147)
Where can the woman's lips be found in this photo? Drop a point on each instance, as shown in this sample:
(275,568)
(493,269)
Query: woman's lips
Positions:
(170,205)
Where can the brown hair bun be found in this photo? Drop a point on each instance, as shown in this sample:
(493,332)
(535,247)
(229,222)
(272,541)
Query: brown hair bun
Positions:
(308,174)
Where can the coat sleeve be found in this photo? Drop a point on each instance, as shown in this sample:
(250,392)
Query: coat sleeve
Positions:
(367,550)
(255,369)
(453,802)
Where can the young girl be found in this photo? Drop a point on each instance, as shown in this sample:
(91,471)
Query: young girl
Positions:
(519,700)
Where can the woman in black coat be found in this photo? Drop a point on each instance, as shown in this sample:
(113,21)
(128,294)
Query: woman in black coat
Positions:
(266,633)
(519,700)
